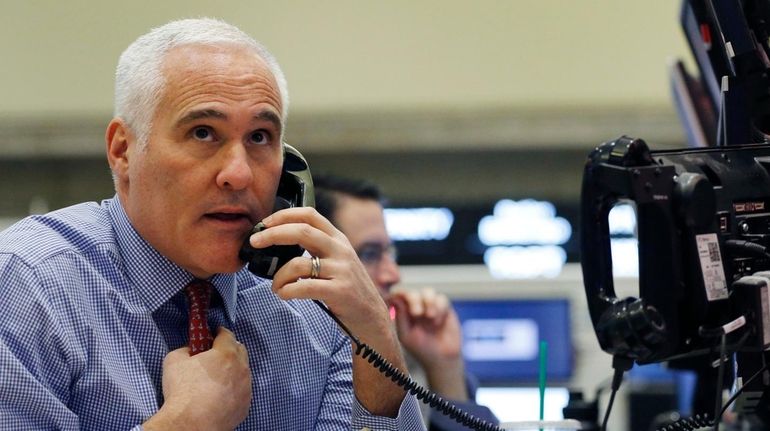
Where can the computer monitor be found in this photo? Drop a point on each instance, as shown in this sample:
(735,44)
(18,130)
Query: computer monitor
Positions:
(501,339)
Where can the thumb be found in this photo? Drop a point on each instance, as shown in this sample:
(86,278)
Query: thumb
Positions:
(225,338)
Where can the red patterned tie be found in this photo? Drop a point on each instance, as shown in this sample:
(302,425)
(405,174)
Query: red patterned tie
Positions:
(198,297)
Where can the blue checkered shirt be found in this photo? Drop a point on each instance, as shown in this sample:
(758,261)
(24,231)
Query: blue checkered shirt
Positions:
(88,311)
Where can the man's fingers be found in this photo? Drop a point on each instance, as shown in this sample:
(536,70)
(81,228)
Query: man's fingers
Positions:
(177,355)
(307,288)
(426,306)
(306,215)
(414,303)
(309,237)
(425,303)
(429,298)
(403,320)
(224,339)
(439,305)
(443,308)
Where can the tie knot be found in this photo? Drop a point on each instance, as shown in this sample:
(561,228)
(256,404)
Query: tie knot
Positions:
(198,293)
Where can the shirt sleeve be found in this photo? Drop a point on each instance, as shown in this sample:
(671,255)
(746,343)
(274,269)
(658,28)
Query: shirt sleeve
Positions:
(441,422)
(33,355)
(335,410)
(340,410)
(409,418)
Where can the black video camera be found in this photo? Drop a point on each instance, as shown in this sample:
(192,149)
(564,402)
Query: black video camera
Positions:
(703,226)
(703,218)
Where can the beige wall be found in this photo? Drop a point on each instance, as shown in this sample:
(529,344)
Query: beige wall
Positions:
(473,100)
(59,56)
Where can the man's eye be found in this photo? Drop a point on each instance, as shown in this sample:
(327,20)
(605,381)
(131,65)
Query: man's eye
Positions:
(369,254)
(203,134)
(259,137)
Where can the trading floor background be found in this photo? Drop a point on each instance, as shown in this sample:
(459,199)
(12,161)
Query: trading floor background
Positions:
(444,103)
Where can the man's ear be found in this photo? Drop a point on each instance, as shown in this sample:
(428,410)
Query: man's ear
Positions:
(118,137)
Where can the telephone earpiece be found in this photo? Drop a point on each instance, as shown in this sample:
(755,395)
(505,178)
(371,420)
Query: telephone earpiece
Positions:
(295,189)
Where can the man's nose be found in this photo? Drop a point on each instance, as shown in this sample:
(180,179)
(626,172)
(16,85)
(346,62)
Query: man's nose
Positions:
(388,273)
(236,171)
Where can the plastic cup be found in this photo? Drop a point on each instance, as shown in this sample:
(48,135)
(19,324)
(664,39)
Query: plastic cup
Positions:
(563,425)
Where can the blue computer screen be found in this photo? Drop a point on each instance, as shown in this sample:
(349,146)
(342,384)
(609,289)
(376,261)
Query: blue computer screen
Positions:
(501,339)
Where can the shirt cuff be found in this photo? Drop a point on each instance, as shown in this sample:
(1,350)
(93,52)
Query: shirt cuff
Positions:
(409,417)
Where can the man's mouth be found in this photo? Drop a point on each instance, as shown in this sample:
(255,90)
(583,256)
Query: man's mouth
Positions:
(227,216)
(230,217)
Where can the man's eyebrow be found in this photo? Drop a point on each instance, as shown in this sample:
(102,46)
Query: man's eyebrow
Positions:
(272,117)
(200,114)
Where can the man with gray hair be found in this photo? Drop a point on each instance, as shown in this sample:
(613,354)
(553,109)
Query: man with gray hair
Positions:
(137,313)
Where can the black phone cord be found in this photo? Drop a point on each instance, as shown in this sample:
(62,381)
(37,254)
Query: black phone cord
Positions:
(698,421)
(405,382)
(688,424)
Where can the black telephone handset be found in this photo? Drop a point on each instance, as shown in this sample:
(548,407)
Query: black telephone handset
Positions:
(295,189)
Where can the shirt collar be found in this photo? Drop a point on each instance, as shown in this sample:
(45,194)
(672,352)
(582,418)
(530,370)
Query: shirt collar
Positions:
(156,278)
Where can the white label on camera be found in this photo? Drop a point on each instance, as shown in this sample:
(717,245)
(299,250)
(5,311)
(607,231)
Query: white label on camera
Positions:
(735,324)
(711,266)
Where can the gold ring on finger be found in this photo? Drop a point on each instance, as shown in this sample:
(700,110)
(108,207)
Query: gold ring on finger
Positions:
(315,267)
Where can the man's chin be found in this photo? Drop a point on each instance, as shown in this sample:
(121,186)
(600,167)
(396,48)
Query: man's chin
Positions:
(235,267)
(231,265)
(219,264)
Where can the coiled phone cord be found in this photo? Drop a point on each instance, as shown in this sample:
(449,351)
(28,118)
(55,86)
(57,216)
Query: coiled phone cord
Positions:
(699,421)
(687,424)
(394,374)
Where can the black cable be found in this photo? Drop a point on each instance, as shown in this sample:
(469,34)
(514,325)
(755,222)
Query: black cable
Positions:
(748,246)
(688,424)
(602,386)
(620,364)
(740,390)
(733,347)
(609,407)
(720,332)
(396,376)
(720,381)
(698,421)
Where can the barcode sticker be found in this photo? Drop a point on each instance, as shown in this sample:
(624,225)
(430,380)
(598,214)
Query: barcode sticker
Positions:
(714,252)
(711,266)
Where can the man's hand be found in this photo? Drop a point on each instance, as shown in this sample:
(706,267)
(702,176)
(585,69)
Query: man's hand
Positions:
(208,391)
(429,329)
(427,325)
(345,287)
